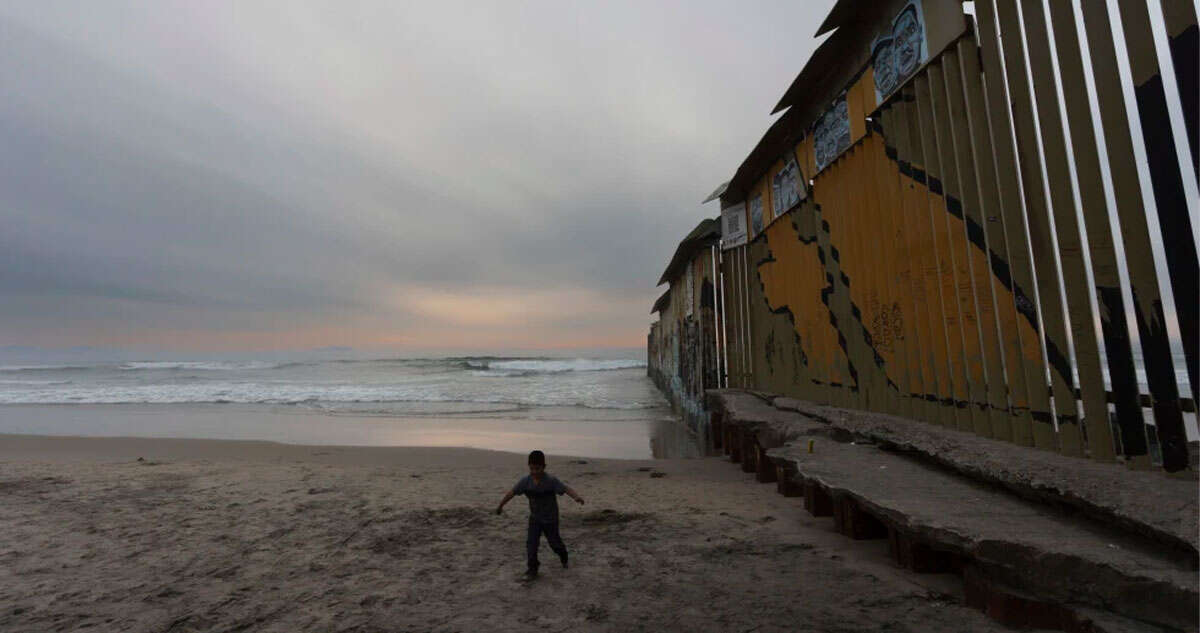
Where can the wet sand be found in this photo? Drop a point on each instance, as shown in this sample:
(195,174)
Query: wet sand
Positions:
(126,534)
(611,433)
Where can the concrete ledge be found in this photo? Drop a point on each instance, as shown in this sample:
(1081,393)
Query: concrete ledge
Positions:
(938,521)
(1023,560)
(1150,504)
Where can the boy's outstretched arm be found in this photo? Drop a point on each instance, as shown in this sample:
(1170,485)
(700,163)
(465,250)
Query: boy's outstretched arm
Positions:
(574,495)
(507,497)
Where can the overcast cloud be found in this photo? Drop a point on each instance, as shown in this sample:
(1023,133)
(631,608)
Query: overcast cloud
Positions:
(186,175)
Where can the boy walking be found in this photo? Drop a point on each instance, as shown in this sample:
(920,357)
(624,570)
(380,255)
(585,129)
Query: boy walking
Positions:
(542,488)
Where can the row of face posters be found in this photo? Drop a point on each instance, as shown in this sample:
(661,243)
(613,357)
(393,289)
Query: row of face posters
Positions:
(895,55)
(898,53)
(787,190)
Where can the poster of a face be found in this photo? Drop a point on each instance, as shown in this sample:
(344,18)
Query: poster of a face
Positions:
(841,121)
(908,41)
(786,188)
(832,134)
(756,215)
(897,54)
(883,61)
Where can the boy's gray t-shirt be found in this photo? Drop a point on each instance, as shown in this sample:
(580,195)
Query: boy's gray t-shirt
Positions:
(543,504)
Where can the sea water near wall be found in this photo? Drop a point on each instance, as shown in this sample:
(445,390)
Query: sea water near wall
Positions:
(579,406)
(372,386)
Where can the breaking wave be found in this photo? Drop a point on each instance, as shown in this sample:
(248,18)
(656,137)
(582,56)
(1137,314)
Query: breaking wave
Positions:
(577,364)
(196,365)
(524,382)
(254,393)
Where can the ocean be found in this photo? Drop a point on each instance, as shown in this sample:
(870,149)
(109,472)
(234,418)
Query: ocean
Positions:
(587,407)
(575,406)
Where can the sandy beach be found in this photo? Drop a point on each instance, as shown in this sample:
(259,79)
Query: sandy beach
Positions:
(127,534)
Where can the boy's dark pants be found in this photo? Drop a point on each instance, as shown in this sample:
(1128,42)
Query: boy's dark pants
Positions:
(532,540)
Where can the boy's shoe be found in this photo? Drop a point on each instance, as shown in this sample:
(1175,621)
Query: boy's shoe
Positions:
(530,574)
(563,558)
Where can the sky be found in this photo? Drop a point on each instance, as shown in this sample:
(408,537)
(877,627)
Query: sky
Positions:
(403,176)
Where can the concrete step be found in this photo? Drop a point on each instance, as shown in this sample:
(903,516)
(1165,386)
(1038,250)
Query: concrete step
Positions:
(1025,562)
(1150,504)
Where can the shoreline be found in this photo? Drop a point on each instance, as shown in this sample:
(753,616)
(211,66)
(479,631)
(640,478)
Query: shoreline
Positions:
(601,434)
(36,448)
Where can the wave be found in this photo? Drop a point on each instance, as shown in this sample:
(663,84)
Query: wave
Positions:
(502,373)
(494,363)
(197,365)
(554,365)
(521,381)
(254,393)
(44,367)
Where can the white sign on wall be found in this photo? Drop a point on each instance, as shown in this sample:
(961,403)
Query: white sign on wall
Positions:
(733,226)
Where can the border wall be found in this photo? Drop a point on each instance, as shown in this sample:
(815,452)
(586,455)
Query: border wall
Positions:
(983,220)
(682,346)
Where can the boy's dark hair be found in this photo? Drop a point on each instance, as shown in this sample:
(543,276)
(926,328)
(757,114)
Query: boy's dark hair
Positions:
(537,457)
